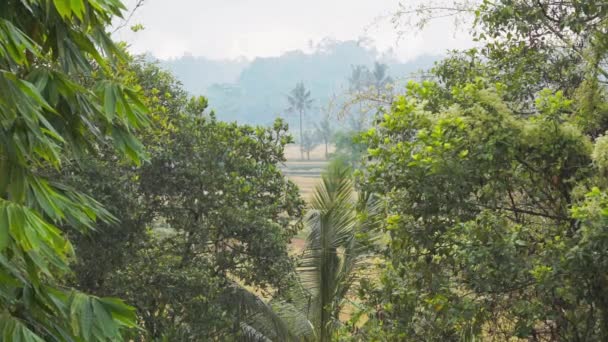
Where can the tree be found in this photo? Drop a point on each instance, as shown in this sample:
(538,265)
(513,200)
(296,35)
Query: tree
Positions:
(60,96)
(309,143)
(334,255)
(359,79)
(380,77)
(369,92)
(481,214)
(299,102)
(350,148)
(209,213)
(338,253)
(494,184)
(117,185)
(325,132)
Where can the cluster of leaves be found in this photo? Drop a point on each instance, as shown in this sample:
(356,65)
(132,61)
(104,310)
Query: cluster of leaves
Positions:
(495,183)
(208,213)
(59,99)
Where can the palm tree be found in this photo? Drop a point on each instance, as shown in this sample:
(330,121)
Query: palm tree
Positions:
(329,267)
(333,257)
(359,78)
(380,77)
(325,132)
(262,321)
(299,102)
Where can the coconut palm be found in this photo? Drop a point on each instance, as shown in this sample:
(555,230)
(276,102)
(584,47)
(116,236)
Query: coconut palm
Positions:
(273,321)
(359,78)
(299,102)
(325,132)
(329,267)
(380,75)
(333,257)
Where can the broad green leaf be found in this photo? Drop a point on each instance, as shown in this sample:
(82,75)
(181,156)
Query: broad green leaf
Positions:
(109,106)
(78,8)
(64,8)
(120,311)
(13,330)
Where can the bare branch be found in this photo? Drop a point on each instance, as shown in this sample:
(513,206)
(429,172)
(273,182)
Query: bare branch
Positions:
(125,22)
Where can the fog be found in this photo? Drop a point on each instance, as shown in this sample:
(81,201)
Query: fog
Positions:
(228,29)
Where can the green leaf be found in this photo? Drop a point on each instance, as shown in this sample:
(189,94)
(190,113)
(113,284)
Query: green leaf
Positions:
(121,312)
(109,105)
(4,230)
(63,8)
(11,329)
(78,8)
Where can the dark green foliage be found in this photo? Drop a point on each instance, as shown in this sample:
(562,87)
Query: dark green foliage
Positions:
(495,185)
(60,97)
(209,212)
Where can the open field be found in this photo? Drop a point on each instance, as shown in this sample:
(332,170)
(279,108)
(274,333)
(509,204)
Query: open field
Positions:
(305,173)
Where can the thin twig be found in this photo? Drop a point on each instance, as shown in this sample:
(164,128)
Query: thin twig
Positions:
(139,4)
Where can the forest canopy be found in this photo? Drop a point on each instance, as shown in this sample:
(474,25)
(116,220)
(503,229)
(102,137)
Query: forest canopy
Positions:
(471,204)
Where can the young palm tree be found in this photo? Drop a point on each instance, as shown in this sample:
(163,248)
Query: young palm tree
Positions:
(274,321)
(333,256)
(299,102)
(330,265)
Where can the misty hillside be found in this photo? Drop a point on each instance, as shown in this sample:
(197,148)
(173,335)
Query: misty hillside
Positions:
(198,73)
(255,91)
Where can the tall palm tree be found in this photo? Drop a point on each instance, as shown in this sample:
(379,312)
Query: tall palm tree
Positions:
(299,102)
(359,81)
(325,132)
(380,77)
(359,78)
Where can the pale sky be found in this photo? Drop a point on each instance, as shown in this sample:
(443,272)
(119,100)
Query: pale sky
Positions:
(227,29)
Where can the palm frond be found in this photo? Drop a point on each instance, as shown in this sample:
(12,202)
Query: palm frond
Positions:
(251,334)
(257,313)
(329,262)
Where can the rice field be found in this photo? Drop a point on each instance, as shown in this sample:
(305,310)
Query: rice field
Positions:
(306,174)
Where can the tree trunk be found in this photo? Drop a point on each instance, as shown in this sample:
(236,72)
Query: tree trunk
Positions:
(301,138)
(326,154)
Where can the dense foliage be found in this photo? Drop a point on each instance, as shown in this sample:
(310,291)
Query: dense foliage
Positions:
(208,213)
(495,187)
(60,97)
(482,192)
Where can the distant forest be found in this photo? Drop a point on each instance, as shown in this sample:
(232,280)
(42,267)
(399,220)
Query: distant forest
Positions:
(255,91)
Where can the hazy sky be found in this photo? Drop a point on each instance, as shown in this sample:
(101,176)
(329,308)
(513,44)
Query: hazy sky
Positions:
(222,29)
